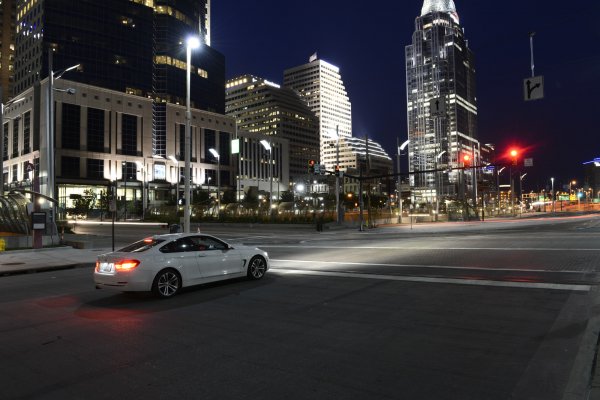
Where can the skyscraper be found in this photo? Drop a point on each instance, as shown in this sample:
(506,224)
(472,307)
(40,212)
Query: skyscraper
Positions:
(263,107)
(7,47)
(131,46)
(320,85)
(441,105)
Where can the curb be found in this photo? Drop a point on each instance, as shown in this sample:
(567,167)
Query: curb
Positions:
(35,270)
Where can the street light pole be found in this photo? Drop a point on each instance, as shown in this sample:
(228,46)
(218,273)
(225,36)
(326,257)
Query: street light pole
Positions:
(178,175)
(50,134)
(267,146)
(337,176)
(144,195)
(192,43)
(552,180)
(124,164)
(218,157)
(437,195)
(399,149)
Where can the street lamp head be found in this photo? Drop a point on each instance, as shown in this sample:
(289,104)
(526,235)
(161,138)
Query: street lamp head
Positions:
(266,145)
(403,145)
(193,42)
(214,153)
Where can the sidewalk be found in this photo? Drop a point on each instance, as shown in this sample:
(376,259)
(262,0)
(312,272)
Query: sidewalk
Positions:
(52,258)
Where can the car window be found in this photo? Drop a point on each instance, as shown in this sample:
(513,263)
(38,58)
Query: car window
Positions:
(179,246)
(141,245)
(208,243)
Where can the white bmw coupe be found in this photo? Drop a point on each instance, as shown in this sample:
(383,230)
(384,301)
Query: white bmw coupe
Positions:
(164,264)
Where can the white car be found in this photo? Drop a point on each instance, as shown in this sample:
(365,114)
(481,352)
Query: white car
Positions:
(164,264)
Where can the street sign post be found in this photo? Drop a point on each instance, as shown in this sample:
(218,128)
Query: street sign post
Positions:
(437,107)
(533,88)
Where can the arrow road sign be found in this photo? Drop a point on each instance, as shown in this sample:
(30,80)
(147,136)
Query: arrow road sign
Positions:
(533,88)
(437,107)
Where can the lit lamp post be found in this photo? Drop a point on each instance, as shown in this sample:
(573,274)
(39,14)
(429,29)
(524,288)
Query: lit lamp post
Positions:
(336,136)
(52,76)
(142,168)
(498,188)
(178,175)
(268,147)
(193,42)
(399,180)
(521,193)
(124,164)
(216,155)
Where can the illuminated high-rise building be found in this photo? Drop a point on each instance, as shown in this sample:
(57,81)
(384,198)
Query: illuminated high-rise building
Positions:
(131,46)
(441,105)
(7,47)
(263,107)
(320,84)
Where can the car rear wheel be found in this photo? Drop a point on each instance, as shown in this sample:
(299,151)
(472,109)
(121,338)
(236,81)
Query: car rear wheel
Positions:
(166,284)
(257,267)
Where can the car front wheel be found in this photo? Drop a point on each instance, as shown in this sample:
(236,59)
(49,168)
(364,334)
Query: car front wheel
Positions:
(166,284)
(257,267)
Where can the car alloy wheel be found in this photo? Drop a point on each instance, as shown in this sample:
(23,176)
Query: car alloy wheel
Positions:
(166,284)
(257,268)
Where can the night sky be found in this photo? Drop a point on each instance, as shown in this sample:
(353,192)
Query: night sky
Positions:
(366,40)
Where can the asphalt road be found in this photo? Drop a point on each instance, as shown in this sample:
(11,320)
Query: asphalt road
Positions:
(501,310)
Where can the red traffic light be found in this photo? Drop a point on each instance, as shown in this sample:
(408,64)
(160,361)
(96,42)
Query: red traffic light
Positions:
(311,163)
(466,159)
(514,153)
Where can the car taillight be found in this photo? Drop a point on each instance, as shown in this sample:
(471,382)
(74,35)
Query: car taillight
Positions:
(126,265)
(97,266)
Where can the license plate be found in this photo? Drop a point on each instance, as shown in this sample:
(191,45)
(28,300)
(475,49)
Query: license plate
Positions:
(107,267)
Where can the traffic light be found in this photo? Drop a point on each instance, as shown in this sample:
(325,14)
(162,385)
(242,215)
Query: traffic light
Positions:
(311,166)
(466,160)
(337,171)
(514,153)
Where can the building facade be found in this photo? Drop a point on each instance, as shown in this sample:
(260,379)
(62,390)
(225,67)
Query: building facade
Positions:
(8,20)
(264,108)
(320,85)
(104,140)
(266,168)
(441,106)
(141,51)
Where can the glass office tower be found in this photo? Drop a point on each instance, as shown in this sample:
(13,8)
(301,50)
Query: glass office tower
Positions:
(441,105)
(131,46)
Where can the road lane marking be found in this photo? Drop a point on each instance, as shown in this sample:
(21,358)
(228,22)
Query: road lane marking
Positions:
(426,248)
(276,260)
(525,285)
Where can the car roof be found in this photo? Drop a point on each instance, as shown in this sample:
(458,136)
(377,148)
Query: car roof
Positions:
(171,236)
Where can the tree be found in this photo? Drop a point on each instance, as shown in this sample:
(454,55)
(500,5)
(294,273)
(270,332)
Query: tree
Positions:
(287,196)
(82,204)
(229,196)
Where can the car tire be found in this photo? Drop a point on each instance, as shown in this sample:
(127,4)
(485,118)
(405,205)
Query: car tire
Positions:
(166,283)
(257,267)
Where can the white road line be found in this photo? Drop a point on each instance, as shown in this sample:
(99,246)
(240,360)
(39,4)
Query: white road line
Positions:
(283,246)
(526,285)
(422,266)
